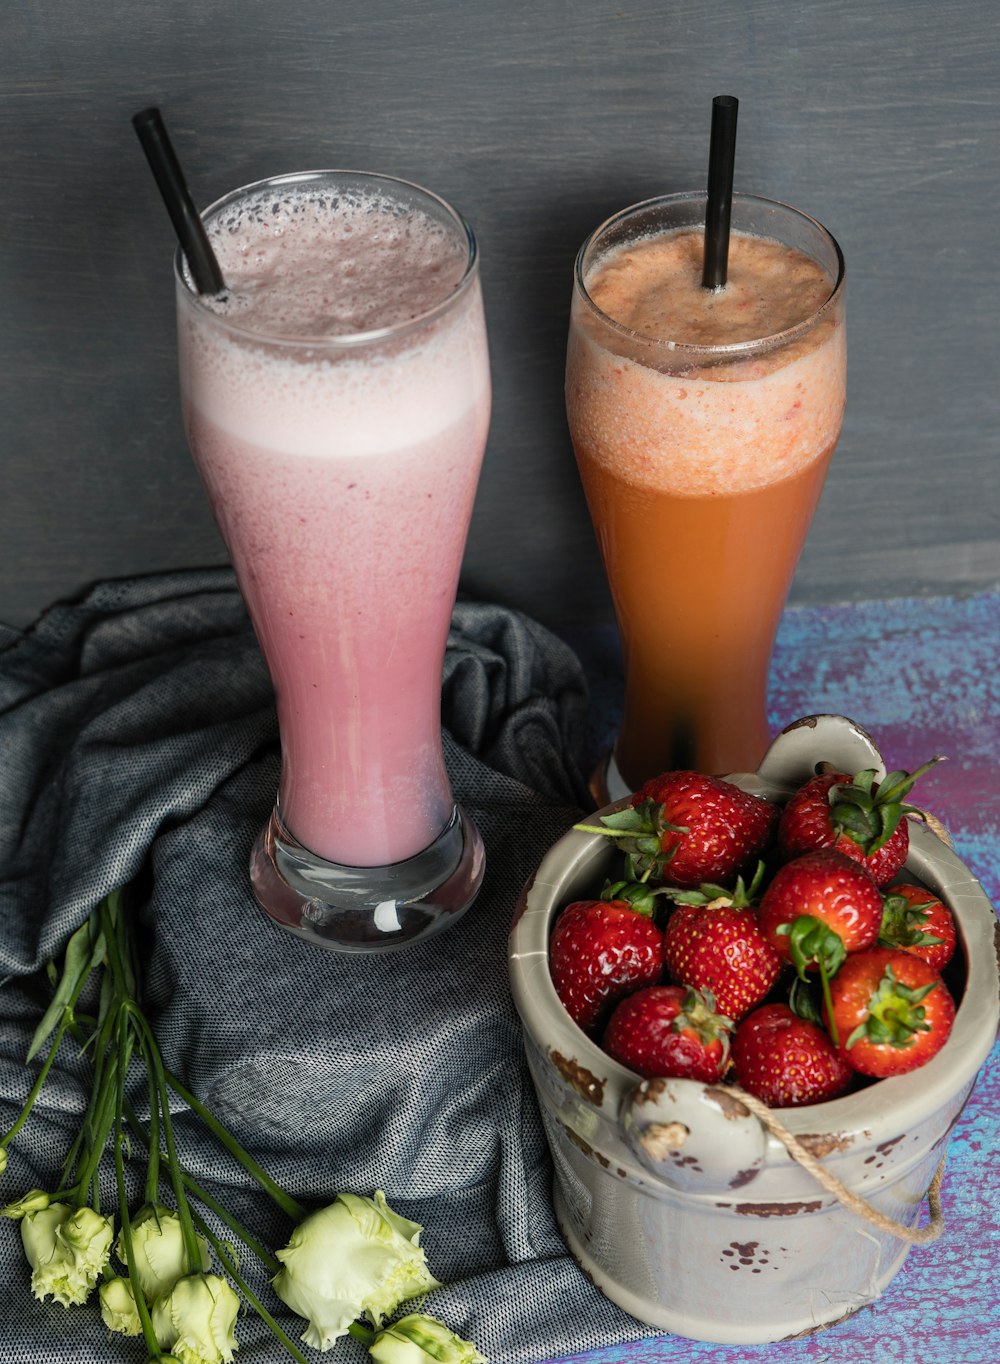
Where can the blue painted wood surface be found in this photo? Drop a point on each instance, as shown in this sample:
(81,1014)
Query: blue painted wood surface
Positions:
(921,676)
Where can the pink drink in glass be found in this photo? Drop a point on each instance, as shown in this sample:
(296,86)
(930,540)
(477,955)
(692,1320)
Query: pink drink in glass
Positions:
(337,403)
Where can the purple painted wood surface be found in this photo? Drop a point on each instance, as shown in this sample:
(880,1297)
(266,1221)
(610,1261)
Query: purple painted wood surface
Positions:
(921,677)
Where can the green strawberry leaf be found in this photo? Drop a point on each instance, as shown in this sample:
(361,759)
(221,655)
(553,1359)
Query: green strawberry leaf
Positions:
(901,923)
(860,825)
(804,1001)
(810,941)
(636,894)
(895,1013)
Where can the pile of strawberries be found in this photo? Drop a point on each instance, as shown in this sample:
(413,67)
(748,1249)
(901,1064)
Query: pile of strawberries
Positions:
(815,971)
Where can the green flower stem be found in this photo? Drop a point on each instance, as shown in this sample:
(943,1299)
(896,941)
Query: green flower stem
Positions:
(158,1094)
(229,1263)
(112,924)
(153,1163)
(149,1335)
(233,1223)
(824,981)
(150,1140)
(269,1261)
(65,1023)
(361,1333)
(99,1130)
(102,1038)
(29,1102)
(284,1201)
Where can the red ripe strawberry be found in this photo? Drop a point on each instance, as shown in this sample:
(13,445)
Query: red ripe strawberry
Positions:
(819,908)
(785,1060)
(669,1030)
(891,1010)
(718,947)
(861,818)
(914,920)
(835,894)
(683,828)
(603,949)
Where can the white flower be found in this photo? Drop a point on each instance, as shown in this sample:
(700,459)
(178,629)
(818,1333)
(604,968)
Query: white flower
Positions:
(356,1257)
(33,1201)
(38,1234)
(118,1307)
(419,1339)
(196,1318)
(158,1250)
(66,1250)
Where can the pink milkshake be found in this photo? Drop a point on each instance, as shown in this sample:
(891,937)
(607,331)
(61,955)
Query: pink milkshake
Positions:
(337,402)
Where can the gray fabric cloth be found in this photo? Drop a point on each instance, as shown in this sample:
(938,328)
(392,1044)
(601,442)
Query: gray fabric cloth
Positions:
(138,740)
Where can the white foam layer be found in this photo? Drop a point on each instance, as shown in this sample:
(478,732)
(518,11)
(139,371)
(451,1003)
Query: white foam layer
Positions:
(347,406)
(695,436)
(306,265)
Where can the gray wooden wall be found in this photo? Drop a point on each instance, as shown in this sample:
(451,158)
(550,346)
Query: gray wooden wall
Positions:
(537,118)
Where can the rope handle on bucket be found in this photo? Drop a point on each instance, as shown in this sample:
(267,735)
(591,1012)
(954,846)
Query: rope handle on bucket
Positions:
(918,1236)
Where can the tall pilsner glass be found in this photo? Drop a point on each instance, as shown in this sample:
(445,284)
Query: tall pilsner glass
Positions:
(703,423)
(336,401)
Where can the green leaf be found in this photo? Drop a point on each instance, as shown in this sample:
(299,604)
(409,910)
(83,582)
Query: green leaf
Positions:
(865,780)
(812,940)
(852,795)
(84,951)
(803,1001)
(853,822)
(628,820)
(890,817)
(894,787)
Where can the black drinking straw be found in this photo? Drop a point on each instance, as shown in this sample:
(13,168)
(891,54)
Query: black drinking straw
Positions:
(205,272)
(718,210)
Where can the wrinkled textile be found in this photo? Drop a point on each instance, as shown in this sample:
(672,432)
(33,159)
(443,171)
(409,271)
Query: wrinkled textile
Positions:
(138,740)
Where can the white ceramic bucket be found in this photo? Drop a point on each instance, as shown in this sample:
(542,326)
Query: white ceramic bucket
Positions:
(729,1239)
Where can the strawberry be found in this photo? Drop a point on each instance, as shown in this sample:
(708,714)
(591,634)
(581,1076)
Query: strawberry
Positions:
(861,818)
(718,947)
(786,1060)
(914,920)
(669,1030)
(837,896)
(817,909)
(683,828)
(891,1010)
(603,949)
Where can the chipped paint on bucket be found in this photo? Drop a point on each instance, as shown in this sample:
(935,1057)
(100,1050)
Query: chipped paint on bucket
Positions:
(672,1197)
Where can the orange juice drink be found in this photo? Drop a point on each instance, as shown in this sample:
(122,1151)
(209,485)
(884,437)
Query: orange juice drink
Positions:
(703,423)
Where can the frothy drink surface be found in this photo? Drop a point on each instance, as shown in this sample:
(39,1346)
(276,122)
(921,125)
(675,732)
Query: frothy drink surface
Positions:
(299,267)
(654,287)
(687,426)
(342,479)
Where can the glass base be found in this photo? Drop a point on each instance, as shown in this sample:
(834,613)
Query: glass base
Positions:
(367,909)
(607,783)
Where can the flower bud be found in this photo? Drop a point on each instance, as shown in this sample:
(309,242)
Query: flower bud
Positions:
(419,1339)
(355,1257)
(33,1201)
(118,1308)
(196,1318)
(158,1251)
